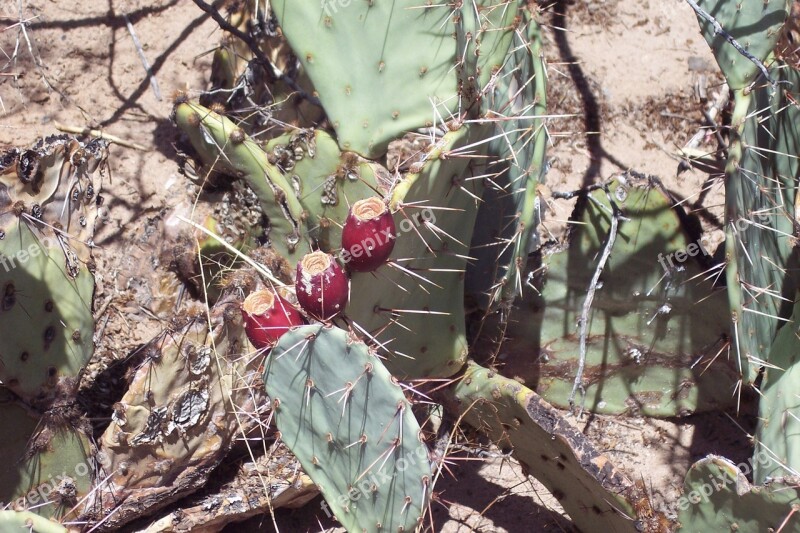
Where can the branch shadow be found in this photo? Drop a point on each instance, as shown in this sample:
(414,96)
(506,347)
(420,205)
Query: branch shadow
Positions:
(592,116)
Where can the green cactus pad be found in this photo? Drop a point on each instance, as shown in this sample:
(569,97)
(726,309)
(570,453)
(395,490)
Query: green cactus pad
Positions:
(592,491)
(380,68)
(46,314)
(425,61)
(16,521)
(226,148)
(326,181)
(656,326)
(760,194)
(509,217)
(755,25)
(779,407)
(422,325)
(47,470)
(49,200)
(484,30)
(717,497)
(341,413)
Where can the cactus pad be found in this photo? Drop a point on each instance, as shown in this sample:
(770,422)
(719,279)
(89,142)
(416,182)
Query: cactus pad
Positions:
(779,407)
(341,413)
(717,497)
(422,325)
(656,325)
(756,26)
(16,521)
(399,65)
(325,180)
(227,148)
(760,193)
(185,405)
(424,61)
(510,213)
(48,469)
(49,201)
(592,491)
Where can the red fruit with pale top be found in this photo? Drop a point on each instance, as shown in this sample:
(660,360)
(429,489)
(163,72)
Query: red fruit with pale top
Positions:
(321,286)
(368,235)
(267,316)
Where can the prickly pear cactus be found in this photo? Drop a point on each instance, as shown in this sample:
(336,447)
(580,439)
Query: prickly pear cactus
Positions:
(779,407)
(49,200)
(761,193)
(425,61)
(756,26)
(326,181)
(506,228)
(595,495)
(268,85)
(48,466)
(656,324)
(224,146)
(718,497)
(760,176)
(342,414)
(422,291)
(192,396)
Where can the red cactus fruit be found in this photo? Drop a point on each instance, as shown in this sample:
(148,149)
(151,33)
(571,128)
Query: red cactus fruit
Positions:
(267,316)
(368,235)
(322,286)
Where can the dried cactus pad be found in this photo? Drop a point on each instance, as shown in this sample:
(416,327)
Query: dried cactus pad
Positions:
(594,493)
(718,497)
(341,413)
(180,415)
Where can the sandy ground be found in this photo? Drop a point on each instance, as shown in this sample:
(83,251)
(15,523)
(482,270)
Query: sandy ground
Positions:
(622,69)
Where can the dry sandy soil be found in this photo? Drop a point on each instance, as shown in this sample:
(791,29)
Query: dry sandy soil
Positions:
(622,69)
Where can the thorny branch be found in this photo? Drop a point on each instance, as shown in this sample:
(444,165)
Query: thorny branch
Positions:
(272,72)
(583,322)
(142,57)
(719,30)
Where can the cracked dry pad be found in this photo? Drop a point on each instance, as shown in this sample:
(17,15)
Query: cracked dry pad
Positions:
(176,421)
